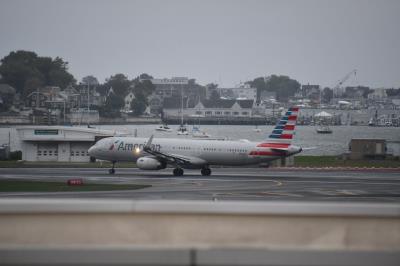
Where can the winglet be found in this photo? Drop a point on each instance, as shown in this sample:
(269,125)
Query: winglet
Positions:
(148,143)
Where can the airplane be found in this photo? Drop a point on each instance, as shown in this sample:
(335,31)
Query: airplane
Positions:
(158,153)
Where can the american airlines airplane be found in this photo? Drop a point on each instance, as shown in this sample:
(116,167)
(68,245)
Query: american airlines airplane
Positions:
(156,154)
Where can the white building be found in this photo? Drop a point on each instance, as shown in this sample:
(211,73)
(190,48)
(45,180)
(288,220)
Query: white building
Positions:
(59,144)
(377,94)
(170,87)
(243,92)
(209,108)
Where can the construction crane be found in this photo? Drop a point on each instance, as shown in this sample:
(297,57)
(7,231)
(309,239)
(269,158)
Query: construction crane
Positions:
(343,80)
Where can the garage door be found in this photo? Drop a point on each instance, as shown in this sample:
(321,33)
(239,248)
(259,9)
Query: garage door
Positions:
(47,152)
(78,152)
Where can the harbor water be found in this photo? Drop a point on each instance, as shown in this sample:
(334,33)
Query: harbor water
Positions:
(306,136)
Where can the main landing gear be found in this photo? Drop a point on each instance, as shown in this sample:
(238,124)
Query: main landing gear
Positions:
(112,170)
(178,172)
(206,171)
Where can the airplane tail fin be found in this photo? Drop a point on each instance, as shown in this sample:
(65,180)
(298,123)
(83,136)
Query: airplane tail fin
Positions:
(284,130)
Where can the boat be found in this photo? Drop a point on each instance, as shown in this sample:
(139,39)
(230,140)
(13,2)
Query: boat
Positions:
(182,130)
(197,133)
(164,128)
(256,129)
(324,129)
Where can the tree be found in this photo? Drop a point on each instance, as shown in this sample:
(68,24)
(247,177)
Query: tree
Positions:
(284,86)
(145,76)
(215,95)
(144,88)
(259,84)
(392,92)
(112,106)
(90,80)
(32,84)
(327,95)
(120,84)
(138,106)
(17,68)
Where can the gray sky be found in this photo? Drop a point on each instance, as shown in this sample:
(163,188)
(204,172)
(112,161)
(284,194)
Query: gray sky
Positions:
(225,42)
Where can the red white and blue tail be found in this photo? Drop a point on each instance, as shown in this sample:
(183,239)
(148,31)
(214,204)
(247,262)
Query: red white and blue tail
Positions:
(285,129)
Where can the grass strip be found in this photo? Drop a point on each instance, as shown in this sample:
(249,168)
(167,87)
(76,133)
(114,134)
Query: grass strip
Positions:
(7,185)
(24,164)
(334,161)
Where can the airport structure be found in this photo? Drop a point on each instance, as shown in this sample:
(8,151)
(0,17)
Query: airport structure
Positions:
(58,143)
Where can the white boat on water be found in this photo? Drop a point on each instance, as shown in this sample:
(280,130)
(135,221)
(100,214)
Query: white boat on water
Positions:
(256,129)
(182,130)
(197,133)
(164,128)
(324,129)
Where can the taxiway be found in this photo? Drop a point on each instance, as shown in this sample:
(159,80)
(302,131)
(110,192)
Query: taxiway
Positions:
(224,184)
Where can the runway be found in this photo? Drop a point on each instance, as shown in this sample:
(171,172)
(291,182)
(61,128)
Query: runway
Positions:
(224,184)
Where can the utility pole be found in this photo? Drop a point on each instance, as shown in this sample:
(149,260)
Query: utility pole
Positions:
(37,97)
(88,103)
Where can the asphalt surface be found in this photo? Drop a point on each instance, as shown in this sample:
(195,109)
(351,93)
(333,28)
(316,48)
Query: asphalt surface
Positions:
(224,184)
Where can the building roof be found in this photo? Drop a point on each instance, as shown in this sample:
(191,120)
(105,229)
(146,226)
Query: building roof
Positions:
(175,103)
(222,103)
(6,89)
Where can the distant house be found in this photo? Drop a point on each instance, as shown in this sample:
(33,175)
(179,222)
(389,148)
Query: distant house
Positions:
(155,104)
(7,94)
(93,97)
(128,100)
(73,97)
(377,94)
(38,98)
(243,92)
(172,87)
(311,92)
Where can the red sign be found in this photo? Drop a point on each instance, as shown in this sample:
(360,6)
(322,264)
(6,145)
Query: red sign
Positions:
(75,182)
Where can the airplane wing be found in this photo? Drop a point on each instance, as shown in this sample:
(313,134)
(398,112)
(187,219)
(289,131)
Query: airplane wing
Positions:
(170,158)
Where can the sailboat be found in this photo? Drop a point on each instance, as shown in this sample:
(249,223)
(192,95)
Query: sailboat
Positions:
(256,129)
(182,130)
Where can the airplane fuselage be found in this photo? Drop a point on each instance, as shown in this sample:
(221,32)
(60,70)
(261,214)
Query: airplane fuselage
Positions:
(202,152)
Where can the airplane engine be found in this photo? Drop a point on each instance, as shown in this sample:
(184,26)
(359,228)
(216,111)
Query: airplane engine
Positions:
(147,163)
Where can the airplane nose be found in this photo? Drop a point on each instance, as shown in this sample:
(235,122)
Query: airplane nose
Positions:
(91,151)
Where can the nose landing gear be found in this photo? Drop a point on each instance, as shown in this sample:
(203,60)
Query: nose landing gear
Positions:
(112,170)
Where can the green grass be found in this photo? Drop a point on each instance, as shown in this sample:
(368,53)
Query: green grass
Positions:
(23,164)
(299,161)
(7,185)
(334,161)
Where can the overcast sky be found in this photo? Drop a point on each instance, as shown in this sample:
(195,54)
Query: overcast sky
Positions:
(226,42)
